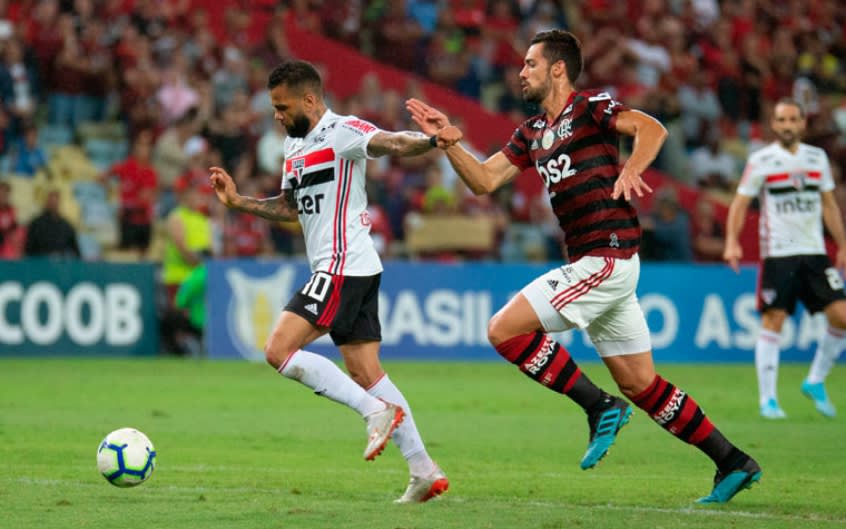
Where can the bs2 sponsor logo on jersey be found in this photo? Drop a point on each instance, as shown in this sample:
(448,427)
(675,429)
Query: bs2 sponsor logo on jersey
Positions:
(555,170)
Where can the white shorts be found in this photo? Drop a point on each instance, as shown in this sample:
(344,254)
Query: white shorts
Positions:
(597,294)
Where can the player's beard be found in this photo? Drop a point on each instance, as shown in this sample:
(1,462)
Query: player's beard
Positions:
(787,139)
(537,95)
(299,127)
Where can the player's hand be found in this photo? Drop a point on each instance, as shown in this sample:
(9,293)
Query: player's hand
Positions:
(428,118)
(223,185)
(449,136)
(732,255)
(628,181)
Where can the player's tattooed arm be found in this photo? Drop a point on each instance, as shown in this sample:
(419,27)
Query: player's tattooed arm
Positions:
(411,143)
(281,207)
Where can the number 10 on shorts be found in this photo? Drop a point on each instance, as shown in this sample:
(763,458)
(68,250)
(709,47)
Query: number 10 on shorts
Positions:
(317,286)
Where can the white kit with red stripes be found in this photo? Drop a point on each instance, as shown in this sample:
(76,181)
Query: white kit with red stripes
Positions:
(326,172)
(789,187)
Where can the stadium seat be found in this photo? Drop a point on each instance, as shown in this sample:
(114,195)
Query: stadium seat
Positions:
(52,137)
(104,153)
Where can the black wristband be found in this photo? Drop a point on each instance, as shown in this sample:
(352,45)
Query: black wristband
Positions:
(433,140)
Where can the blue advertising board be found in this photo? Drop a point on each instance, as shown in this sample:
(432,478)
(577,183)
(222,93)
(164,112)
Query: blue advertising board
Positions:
(69,307)
(697,313)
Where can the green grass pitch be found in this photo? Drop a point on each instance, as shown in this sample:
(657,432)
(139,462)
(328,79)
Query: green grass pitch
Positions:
(241,447)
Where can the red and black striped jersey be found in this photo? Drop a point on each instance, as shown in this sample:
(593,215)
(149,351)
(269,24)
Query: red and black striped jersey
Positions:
(577,155)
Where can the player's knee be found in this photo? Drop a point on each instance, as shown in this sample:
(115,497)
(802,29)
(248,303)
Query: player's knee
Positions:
(497,332)
(275,353)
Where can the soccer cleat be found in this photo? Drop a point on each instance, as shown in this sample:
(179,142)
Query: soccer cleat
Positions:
(422,489)
(380,426)
(604,425)
(771,410)
(816,392)
(729,484)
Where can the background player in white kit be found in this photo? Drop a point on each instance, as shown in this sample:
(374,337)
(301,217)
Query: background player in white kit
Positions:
(795,186)
(323,185)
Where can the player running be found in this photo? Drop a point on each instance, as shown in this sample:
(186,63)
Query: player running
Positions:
(573,144)
(796,190)
(323,185)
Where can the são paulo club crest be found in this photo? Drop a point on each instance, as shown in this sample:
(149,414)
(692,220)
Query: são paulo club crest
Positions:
(798,180)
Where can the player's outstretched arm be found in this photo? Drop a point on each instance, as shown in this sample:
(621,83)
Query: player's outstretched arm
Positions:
(411,143)
(733,252)
(280,207)
(649,135)
(480,177)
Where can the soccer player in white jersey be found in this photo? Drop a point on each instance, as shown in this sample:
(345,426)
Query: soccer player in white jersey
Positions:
(793,181)
(323,185)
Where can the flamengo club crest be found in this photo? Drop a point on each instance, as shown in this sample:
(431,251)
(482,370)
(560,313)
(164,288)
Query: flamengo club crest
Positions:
(565,130)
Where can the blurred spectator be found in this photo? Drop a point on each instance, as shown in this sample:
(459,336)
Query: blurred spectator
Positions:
(19,87)
(169,157)
(651,57)
(231,78)
(50,234)
(713,167)
(396,37)
(176,96)
(707,234)
(189,237)
(138,184)
(8,222)
(666,230)
(271,150)
(182,325)
(700,107)
(27,157)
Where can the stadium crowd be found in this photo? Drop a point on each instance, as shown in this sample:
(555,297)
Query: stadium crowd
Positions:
(111,111)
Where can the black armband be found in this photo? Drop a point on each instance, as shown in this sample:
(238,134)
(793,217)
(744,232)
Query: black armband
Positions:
(433,140)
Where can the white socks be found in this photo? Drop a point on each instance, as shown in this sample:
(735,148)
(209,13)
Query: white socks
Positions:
(326,379)
(766,364)
(406,435)
(829,348)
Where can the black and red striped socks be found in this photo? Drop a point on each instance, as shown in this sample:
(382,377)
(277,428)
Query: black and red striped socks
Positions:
(677,412)
(544,360)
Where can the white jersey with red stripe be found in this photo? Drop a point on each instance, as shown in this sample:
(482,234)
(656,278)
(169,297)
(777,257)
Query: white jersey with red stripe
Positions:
(326,172)
(788,186)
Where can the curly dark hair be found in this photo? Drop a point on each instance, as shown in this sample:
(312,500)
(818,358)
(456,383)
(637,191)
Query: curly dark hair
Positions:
(299,75)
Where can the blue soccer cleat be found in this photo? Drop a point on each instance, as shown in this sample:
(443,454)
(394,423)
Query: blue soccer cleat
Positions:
(727,485)
(816,392)
(604,425)
(771,410)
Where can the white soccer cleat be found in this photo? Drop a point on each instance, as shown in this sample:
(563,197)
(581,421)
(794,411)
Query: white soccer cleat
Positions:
(380,426)
(422,489)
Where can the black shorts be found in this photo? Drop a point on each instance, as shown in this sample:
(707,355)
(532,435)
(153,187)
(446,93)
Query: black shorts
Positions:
(347,305)
(809,278)
(134,235)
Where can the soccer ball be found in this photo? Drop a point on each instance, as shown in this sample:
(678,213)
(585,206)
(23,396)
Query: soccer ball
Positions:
(126,457)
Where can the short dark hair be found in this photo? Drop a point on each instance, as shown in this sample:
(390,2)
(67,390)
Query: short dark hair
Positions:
(298,75)
(791,102)
(560,45)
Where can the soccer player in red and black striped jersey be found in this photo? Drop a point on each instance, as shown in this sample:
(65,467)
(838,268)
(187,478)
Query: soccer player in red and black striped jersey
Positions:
(573,144)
